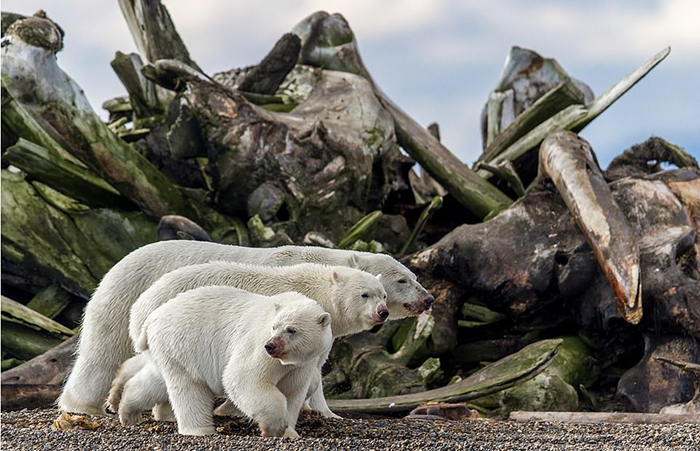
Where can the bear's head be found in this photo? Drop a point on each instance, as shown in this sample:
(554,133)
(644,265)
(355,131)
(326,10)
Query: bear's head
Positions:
(406,297)
(301,330)
(359,299)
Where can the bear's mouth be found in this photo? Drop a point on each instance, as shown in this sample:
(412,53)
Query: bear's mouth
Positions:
(415,310)
(380,316)
(376,319)
(276,354)
(418,307)
(275,348)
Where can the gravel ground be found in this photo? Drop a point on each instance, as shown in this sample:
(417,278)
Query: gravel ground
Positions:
(31,430)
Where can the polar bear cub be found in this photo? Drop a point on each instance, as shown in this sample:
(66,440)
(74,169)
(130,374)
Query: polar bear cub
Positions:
(104,339)
(212,341)
(356,301)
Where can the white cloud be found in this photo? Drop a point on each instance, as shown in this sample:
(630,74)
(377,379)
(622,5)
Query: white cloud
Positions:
(207,26)
(604,32)
(97,24)
(460,31)
(426,52)
(372,19)
(457,116)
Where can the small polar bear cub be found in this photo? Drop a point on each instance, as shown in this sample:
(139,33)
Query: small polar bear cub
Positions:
(356,301)
(212,341)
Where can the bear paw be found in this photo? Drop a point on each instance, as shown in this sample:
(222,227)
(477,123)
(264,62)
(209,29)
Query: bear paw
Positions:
(66,403)
(205,430)
(273,431)
(113,401)
(228,409)
(163,412)
(289,432)
(130,418)
(328,414)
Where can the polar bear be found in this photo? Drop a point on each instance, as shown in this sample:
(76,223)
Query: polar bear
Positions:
(104,341)
(355,300)
(257,350)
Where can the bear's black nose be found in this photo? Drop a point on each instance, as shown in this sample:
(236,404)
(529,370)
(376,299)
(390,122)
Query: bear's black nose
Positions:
(429,299)
(383,314)
(270,347)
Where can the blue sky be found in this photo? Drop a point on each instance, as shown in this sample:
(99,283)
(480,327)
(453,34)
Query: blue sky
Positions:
(437,59)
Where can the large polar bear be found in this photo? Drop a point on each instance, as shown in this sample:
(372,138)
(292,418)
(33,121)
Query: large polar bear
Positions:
(355,300)
(104,339)
(212,341)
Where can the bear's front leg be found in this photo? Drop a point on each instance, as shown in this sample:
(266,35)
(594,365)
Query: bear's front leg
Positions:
(193,404)
(258,399)
(295,386)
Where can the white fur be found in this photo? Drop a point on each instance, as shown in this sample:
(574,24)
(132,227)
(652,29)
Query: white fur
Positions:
(352,297)
(210,341)
(126,372)
(338,289)
(104,339)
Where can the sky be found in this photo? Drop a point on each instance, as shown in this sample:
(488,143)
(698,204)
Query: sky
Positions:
(438,60)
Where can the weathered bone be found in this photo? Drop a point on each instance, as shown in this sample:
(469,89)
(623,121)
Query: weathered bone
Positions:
(505,373)
(569,162)
(31,73)
(328,42)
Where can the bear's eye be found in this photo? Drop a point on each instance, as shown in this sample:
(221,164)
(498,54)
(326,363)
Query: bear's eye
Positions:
(365,295)
(291,330)
(384,295)
(403,281)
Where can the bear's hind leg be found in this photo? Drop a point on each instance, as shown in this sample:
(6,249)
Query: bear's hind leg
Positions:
(163,411)
(228,409)
(99,355)
(141,392)
(103,345)
(127,370)
(294,386)
(317,401)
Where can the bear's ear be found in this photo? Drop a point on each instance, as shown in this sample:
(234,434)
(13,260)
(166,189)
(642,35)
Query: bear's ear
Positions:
(335,277)
(379,277)
(356,261)
(324,319)
(278,307)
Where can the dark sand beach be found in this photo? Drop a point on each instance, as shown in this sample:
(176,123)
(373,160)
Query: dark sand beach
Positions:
(31,430)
